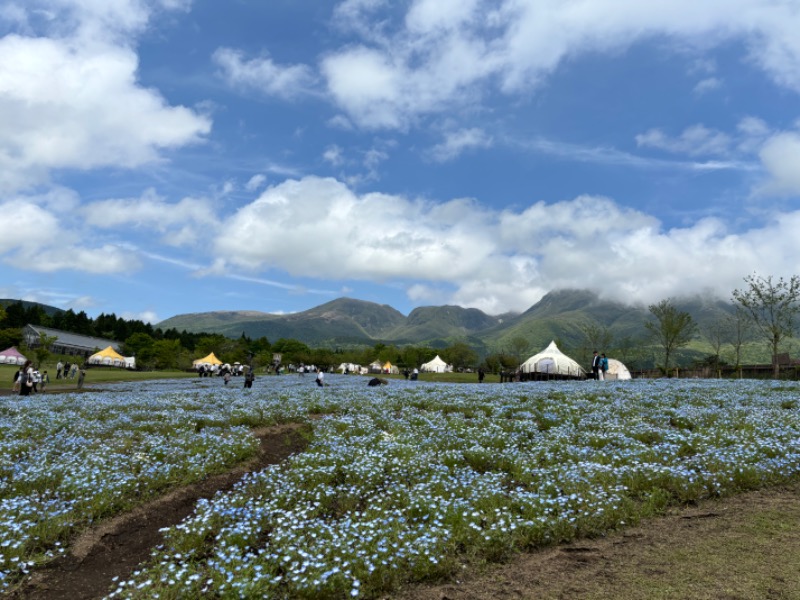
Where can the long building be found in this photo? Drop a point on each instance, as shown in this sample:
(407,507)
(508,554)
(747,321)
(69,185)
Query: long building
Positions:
(66,342)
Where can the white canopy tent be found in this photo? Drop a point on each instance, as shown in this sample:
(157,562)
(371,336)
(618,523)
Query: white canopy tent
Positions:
(553,362)
(437,365)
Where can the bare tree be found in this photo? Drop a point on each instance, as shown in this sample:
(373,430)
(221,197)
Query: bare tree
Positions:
(672,328)
(773,307)
(737,330)
(595,337)
(716,333)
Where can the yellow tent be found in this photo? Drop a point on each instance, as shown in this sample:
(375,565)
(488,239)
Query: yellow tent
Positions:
(208,360)
(109,356)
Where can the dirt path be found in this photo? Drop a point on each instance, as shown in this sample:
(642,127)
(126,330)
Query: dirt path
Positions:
(117,546)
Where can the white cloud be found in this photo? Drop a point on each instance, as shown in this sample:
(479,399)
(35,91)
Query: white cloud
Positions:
(707,85)
(444,54)
(146,316)
(255,182)
(781,158)
(461,252)
(696,140)
(186,222)
(263,74)
(333,155)
(457,142)
(61,102)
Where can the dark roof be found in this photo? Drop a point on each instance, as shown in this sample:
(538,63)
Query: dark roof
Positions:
(74,340)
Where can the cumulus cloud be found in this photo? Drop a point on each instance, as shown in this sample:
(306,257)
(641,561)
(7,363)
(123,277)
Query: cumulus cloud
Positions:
(263,74)
(781,158)
(462,252)
(35,239)
(69,102)
(185,221)
(445,54)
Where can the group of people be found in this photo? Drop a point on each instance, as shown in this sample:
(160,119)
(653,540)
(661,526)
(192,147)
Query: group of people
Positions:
(28,380)
(599,366)
(66,370)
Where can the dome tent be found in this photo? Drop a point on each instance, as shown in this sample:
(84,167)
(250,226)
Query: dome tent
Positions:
(551,361)
(617,370)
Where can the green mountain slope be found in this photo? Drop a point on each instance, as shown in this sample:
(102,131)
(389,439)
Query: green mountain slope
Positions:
(561,315)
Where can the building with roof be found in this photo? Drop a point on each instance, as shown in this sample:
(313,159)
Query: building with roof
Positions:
(67,343)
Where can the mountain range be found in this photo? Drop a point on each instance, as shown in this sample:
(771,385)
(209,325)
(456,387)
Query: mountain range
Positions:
(560,315)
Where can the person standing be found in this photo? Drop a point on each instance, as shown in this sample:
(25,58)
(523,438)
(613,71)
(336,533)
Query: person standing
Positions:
(320,378)
(59,369)
(81,377)
(603,366)
(45,380)
(596,362)
(26,379)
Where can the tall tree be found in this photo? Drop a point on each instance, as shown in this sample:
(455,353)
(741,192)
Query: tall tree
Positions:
(672,328)
(773,307)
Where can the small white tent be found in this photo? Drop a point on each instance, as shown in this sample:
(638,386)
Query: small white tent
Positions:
(617,370)
(437,365)
(554,362)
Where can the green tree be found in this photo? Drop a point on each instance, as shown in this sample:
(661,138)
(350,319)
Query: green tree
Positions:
(43,349)
(672,328)
(460,355)
(136,343)
(772,307)
(518,347)
(11,337)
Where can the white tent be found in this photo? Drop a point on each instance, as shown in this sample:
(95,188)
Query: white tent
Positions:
(349,368)
(437,365)
(552,361)
(617,370)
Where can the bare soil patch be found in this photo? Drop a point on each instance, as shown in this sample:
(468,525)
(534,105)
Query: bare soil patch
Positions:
(115,547)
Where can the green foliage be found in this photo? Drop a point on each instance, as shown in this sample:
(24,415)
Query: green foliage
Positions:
(672,328)
(773,307)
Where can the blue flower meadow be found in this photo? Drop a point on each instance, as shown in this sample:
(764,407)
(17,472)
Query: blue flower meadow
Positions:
(400,483)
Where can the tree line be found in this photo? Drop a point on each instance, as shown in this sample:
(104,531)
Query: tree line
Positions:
(765,309)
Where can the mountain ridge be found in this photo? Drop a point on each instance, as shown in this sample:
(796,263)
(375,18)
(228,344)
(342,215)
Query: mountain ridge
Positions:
(560,315)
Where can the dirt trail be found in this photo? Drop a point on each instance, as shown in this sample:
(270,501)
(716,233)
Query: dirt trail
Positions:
(115,547)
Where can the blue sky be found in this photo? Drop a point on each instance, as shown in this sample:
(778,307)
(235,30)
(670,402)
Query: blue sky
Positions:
(160,157)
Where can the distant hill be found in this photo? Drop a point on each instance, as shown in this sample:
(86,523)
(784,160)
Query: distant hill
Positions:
(342,321)
(49,310)
(560,315)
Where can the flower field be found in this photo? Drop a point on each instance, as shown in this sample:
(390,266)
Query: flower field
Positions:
(400,483)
